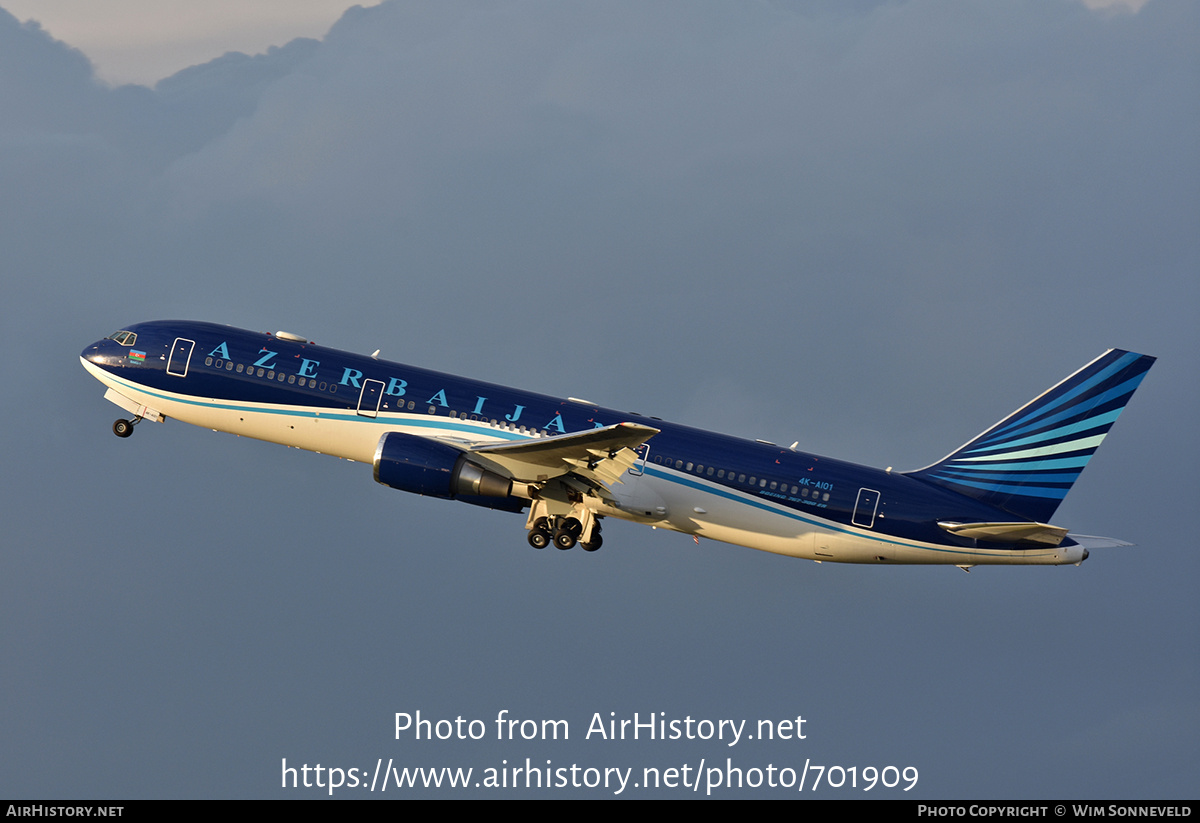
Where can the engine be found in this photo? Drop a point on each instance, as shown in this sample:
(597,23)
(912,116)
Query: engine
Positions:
(422,466)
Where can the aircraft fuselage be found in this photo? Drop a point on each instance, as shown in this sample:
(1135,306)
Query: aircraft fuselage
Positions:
(293,392)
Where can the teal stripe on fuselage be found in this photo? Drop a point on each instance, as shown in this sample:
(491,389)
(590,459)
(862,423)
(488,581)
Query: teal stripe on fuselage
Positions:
(828,525)
(322,412)
(445,424)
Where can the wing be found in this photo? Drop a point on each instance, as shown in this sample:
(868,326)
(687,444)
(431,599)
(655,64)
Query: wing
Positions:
(599,457)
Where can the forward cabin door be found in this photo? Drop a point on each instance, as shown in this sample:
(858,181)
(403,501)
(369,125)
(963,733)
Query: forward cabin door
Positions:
(181,356)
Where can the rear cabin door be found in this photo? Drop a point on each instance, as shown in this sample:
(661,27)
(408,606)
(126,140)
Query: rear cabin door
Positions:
(865,507)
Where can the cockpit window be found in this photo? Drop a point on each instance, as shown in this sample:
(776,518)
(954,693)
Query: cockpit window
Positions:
(125,338)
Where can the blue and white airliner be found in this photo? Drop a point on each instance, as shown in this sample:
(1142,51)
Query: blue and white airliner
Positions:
(569,463)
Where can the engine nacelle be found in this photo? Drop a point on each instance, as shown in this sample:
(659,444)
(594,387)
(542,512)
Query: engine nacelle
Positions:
(422,466)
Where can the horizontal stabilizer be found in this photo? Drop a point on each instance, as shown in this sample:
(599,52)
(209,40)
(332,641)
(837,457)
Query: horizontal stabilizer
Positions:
(1041,534)
(1092,542)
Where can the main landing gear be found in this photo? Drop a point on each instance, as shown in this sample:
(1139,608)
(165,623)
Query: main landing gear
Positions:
(564,532)
(124,428)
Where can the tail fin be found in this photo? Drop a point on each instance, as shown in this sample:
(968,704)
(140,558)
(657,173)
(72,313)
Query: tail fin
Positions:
(1026,463)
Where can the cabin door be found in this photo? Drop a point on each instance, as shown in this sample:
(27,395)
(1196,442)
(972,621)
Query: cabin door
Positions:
(864,508)
(370,397)
(640,466)
(181,356)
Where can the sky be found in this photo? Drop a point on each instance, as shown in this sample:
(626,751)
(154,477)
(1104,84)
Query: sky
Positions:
(871,227)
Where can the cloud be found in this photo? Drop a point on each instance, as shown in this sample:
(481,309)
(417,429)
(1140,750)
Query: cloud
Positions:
(142,41)
(1112,5)
(819,153)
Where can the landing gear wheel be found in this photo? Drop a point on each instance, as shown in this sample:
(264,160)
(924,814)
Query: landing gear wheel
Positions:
(123,428)
(597,542)
(564,540)
(539,538)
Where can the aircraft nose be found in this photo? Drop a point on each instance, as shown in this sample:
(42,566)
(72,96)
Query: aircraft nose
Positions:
(104,353)
(97,352)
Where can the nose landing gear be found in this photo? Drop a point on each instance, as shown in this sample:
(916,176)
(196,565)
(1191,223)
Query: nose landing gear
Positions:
(124,428)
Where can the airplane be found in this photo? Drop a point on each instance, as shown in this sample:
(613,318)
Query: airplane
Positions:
(569,463)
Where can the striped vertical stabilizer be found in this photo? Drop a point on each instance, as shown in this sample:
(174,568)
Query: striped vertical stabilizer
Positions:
(1026,463)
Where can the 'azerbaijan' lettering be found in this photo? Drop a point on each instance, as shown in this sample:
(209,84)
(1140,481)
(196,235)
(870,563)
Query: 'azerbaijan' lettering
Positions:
(395,387)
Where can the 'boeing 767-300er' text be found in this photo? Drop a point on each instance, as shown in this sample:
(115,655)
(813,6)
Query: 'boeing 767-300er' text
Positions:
(571,462)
